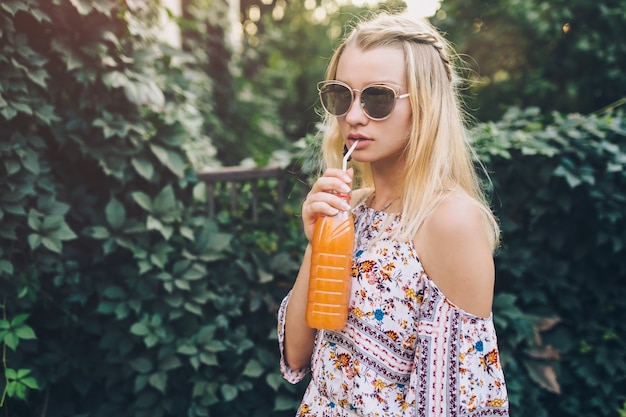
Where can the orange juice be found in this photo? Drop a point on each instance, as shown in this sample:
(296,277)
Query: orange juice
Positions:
(331,271)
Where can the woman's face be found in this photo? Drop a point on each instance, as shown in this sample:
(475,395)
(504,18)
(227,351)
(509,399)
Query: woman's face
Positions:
(380,141)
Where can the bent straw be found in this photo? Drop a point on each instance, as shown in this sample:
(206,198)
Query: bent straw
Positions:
(347,155)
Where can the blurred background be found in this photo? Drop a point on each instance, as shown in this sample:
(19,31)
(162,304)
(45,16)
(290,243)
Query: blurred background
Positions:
(153,159)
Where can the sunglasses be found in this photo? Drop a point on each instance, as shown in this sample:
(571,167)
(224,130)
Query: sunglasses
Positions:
(377,100)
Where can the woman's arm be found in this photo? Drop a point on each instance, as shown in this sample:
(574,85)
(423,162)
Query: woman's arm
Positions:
(299,338)
(321,201)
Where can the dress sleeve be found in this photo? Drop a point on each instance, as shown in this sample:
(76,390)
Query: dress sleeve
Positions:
(291,375)
(457,367)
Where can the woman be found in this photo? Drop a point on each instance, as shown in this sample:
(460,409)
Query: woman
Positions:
(420,340)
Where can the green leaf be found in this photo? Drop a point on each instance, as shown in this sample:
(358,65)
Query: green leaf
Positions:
(11,340)
(264,276)
(46,114)
(82,6)
(20,390)
(187,232)
(19,320)
(71,58)
(34,221)
(115,213)
(30,383)
(143,167)
(193,308)
(106,307)
(253,369)
(181,284)
(206,333)
(114,79)
(153,224)
(97,232)
(52,223)
(159,259)
(215,346)
(165,202)
(10,374)
(274,380)
(151,340)
(23,292)
(573,180)
(53,244)
(114,292)
(140,329)
(170,159)
(34,240)
(8,113)
(64,232)
(174,300)
(6,266)
(169,363)
(141,365)
(40,16)
(47,204)
(14,6)
(187,350)
(38,76)
(209,359)
(196,272)
(229,392)
(141,381)
(25,332)
(22,107)
(143,200)
(14,209)
(284,402)
(11,167)
(30,161)
(158,380)
(219,242)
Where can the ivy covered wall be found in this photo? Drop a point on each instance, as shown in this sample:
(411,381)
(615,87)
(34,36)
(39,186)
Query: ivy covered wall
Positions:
(119,297)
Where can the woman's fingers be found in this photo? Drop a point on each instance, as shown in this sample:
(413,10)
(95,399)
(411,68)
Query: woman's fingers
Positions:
(325,199)
(324,203)
(333,181)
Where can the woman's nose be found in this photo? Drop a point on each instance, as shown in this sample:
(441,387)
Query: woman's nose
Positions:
(356,113)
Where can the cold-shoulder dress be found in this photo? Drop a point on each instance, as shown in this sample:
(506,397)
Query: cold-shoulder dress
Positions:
(406,351)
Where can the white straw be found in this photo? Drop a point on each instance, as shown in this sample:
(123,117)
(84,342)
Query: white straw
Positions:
(347,155)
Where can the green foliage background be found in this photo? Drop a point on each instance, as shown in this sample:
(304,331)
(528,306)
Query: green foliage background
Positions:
(557,55)
(558,189)
(119,297)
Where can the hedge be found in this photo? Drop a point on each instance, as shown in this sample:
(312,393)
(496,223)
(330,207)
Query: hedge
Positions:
(119,297)
(559,188)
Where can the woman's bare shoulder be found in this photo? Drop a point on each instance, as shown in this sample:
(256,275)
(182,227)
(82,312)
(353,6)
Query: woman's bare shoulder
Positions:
(456,254)
(457,214)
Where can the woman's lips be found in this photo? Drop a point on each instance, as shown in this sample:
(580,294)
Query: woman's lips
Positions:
(363,142)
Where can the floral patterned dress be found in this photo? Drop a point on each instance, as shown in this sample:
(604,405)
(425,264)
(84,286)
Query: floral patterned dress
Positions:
(406,350)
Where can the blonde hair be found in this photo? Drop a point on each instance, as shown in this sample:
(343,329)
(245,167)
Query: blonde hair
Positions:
(438,156)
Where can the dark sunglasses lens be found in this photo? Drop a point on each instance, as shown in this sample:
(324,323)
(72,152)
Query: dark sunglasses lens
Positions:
(378,101)
(336,99)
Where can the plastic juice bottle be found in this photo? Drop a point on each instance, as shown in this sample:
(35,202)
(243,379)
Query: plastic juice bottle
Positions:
(331,271)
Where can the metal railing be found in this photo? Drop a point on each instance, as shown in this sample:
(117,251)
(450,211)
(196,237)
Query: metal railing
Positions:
(234,177)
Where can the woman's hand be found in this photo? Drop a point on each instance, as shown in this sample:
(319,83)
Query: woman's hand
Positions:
(323,199)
